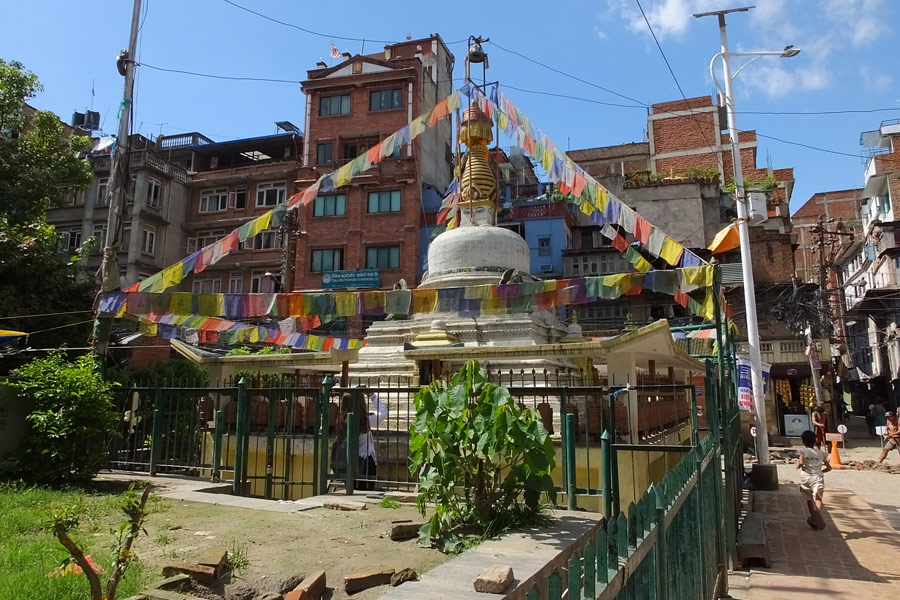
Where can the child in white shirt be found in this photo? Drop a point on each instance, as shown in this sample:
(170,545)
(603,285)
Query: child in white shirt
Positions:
(813,464)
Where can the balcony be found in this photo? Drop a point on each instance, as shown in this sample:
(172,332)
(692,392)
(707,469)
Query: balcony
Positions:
(786,351)
(142,158)
(182,140)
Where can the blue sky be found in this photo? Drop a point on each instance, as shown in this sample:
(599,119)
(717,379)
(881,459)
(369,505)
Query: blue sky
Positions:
(846,64)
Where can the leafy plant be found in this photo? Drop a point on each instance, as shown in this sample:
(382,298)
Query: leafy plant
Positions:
(237,558)
(239,351)
(702,173)
(71,415)
(388,503)
(484,461)
(133,505)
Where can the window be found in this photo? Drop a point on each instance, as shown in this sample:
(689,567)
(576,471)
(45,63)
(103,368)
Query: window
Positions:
(349,150)
(126,237)
(270,194)
(267,240)
(384,201)
(71,196)
(323,153)
(205,238)
(330,206)
(544,246)
(207,286)
(330,259)
(213,200)
(383,257)
(69,240)
(235,283)
(102,197)
(386,99)
(260,283)
(334,105)
(154,192)
(587,240)
(239,198)
(148,240)
(99,232)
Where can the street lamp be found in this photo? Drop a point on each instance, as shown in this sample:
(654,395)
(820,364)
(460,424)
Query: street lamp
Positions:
(743,212)
(275,280)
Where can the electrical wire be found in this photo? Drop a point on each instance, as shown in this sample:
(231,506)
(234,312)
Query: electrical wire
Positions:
(211,76)
(318,33)
(60,327)
(569,75)
(677,83)
(57,314)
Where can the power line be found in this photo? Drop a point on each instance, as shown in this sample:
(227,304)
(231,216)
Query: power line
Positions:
(553,94)
(57,314)
(569,75)
(677,84)
(317,33)
(211,76)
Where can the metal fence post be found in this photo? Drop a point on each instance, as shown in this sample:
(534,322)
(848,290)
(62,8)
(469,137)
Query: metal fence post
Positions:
(270,445)
(569,450)
(240,427)
(156,435)
(352,451)
(695,418)
(322,433)
(606,466)
(563,435)
(613,457)
(217,446)
(662,576)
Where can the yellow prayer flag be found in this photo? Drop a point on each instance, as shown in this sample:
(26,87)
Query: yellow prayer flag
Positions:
(312,342)
(479,292)
(424,301)
(549,285)
(147,328)
(345,303)
(642,265)
(417,126)
(708,309)
(547,163)
(172,275)
(620,281)
(586,207)
(602,198)
(699,276)
(254,334)
(343,175)
(494,306)
(671,251)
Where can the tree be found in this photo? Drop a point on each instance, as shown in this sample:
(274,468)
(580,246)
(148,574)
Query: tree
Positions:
(71,414)
(39,163)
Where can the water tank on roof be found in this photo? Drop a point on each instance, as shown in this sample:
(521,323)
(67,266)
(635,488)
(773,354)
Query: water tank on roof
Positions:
(89,120)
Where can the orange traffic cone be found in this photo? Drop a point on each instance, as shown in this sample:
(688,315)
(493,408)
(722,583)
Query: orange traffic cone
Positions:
(835,458)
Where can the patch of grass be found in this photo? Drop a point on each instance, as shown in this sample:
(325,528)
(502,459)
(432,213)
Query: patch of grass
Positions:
(388,503)
(27,553)
(237,558)
(162,538)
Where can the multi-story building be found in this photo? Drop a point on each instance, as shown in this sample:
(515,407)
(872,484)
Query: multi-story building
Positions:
(231,183)
(869,270)
(154,233)
(373,222)
(838,210)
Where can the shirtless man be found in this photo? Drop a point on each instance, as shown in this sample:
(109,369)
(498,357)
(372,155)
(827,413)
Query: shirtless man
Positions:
(892,439)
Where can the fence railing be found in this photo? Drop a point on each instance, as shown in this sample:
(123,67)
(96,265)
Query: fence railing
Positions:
(668,545)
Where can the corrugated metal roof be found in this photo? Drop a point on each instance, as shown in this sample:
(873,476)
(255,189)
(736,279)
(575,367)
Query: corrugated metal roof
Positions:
(731,274)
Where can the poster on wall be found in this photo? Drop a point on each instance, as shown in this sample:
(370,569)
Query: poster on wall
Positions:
(745,386)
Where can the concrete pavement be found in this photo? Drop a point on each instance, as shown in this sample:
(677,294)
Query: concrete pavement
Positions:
(856,555)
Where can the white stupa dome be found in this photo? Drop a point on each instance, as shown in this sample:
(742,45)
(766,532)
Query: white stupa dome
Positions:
(474,255)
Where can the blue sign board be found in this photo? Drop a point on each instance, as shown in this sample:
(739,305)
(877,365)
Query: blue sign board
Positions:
(363,278)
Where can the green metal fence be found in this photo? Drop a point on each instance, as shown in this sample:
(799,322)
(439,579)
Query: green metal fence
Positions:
(666,546)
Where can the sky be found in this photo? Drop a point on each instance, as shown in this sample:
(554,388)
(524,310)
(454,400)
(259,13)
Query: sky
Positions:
(592,52)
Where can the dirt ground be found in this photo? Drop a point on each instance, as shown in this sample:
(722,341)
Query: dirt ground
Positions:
(277,544)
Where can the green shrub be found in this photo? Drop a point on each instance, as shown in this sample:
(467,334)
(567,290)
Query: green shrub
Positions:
(482,460)
(71,415)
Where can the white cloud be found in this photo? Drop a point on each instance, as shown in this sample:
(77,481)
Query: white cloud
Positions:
(874,80)
(863,19)
(669,18)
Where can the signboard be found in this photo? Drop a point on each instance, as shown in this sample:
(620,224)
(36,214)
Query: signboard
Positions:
(791,372)
(813,355)
(834,437)
(745,387)
(842,428)
(795,425)
(363,278)
(753,431)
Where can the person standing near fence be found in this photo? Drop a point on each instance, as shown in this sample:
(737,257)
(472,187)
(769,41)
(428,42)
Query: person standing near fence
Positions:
(366,420)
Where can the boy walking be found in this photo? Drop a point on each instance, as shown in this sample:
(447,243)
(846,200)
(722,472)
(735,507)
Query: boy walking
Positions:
(892,436)
(813,464)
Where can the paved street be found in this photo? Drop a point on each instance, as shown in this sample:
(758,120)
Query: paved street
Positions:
(857,554)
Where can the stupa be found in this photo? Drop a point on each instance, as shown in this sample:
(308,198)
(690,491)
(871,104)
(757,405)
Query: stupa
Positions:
(475,253)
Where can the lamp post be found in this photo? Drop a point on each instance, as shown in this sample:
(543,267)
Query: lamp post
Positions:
(743,212)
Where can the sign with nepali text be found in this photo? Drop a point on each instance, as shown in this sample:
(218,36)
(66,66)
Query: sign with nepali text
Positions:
(362,278)
(745,381)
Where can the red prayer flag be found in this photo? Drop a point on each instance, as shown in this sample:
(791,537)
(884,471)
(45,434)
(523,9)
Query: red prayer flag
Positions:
(681,298)
(619,243)
(578,187)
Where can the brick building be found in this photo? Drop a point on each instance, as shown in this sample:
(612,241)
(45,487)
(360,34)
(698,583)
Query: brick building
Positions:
(834,207)
(373,222)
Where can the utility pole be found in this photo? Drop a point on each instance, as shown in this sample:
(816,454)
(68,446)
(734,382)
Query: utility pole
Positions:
(119,179)
(743,212)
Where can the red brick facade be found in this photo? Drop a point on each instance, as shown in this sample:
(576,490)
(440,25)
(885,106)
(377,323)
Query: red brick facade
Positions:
(836,206)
